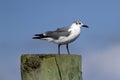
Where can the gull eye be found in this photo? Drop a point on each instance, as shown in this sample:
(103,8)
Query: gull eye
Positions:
(76,23)
(79,23)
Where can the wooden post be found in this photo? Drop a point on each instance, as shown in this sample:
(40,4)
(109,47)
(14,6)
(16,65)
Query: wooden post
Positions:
(51,67)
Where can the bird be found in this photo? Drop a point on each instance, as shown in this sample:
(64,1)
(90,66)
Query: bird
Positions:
(63,35)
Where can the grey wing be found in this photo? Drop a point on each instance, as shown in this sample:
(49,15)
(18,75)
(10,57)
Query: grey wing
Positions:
(58,33)
(62,29)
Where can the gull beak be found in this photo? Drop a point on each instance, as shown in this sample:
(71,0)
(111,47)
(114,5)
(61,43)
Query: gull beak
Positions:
(85,26)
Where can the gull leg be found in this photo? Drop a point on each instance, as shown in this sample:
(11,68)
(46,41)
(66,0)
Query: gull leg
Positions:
(67,49)
(58,48)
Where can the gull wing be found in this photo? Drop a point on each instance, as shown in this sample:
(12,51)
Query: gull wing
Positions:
(58,33)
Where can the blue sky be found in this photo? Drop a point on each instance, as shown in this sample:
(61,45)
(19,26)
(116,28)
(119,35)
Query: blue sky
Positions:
(99,45)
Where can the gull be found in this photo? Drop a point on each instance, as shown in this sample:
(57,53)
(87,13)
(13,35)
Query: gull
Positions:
(62,36)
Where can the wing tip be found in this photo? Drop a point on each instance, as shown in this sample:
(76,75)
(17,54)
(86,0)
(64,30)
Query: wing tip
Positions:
(35,37)
(38,36)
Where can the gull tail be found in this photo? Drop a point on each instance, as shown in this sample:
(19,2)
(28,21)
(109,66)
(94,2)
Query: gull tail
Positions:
(38,36)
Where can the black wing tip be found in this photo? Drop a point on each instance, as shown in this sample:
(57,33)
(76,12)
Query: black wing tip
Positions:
(35,37)
(38,36)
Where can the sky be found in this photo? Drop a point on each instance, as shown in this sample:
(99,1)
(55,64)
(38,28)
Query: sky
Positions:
(99,45)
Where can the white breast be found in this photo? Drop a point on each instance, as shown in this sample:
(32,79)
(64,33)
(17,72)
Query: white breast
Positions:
(75,31)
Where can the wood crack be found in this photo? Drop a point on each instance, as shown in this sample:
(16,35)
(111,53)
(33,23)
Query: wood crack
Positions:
(58,68)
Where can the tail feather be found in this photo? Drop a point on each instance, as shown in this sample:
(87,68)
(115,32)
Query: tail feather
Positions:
(38,36)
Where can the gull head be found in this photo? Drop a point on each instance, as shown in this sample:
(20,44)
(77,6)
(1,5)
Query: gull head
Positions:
(79,24)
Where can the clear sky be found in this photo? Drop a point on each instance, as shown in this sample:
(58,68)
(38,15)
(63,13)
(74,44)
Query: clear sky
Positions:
(99,45)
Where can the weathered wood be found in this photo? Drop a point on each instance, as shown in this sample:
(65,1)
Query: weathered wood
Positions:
(51,67)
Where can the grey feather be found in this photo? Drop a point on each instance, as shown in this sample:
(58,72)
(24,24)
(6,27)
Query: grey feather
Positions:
(59,32)
(63,29)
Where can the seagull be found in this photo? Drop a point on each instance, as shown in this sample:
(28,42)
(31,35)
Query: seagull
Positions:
(62,36)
